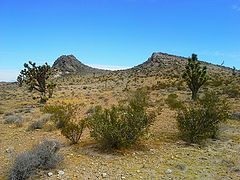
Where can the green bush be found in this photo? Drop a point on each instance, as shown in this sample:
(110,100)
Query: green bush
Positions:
(172,101)
(232,90)
(61,113)
(73,131)
(122,125)
(201,120)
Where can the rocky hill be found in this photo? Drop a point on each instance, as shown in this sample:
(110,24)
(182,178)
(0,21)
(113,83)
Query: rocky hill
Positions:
(158,64)
(69,64)
(166,64)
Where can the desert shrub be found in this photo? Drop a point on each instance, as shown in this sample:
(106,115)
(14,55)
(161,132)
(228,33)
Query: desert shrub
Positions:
(122,125)
(172,101)
(13,119)
(43,156)
(232,90)
(235,115)
(24,166)
(46,153)
(40,122)
(61,113)
(201,120)
(73,131)
(161,85)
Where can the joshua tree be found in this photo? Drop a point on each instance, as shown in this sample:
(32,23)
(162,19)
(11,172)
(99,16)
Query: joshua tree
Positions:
(35,78)
(51,86)
(195,75)
(234,71)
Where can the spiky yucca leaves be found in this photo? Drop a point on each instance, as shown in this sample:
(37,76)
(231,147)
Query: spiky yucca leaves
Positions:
(195,75)
(35,78)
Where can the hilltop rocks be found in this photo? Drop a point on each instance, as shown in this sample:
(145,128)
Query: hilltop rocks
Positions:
(69,64)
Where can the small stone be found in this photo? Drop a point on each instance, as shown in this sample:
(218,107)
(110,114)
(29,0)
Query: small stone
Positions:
(123,177)
(61,173)
(50,174)
(104,175)
(168,171)
(138,171)
(181,167)
(9,150)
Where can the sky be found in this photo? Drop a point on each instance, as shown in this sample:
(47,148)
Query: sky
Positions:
(116,34)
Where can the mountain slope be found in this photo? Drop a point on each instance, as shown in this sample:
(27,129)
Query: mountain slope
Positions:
(69,64)
(158,64)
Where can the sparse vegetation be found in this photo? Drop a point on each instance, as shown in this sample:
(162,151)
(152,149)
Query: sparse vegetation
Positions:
(73,131)
(14,119)
(172,101)
(201,119)
(122,125)
(61,113)
(195,75)
(39,123)
(43,156)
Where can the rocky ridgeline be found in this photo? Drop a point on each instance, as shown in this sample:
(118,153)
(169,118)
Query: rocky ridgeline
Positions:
(69,64)
(158,64)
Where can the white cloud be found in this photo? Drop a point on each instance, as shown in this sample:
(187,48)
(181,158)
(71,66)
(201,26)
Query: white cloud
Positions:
(8,75)
(108,67)
(236,6)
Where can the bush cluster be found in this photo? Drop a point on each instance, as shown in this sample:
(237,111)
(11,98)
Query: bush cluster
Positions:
(14,119)
(172,101)
(201,120)
(43,156)
(232,90)
(73,131)
(122,125)
(39,123)
(61,113)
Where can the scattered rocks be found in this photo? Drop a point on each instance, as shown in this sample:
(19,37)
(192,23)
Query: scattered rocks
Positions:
(181,167)
(168,171)
(61,173)
(50,174)
(104,175)
(9,150)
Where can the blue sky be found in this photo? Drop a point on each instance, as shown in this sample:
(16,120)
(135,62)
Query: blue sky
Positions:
(116,33)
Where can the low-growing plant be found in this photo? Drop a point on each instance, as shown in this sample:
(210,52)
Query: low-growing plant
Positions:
(14,119)
(201,119)
(43,156)
(61,113)
(122,125)
(73,131)
(232,90)
(172,101)
(40,122)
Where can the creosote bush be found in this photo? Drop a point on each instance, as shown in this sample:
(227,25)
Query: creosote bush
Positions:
(122,125)
(73,131)
(201,119)
(43,156)
(61,113)
(172,101)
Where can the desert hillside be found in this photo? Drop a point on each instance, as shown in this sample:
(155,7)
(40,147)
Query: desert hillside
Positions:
(159,154)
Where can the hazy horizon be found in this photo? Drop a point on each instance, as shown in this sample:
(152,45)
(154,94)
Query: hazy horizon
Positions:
(117,34)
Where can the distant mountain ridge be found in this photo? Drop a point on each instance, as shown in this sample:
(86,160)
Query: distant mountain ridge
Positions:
(69,64)
(158,64)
